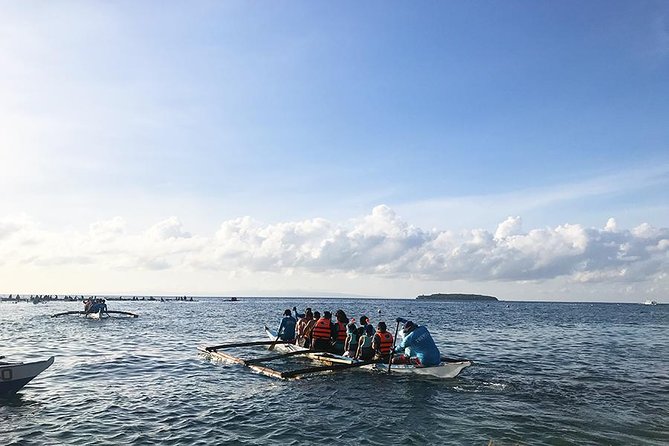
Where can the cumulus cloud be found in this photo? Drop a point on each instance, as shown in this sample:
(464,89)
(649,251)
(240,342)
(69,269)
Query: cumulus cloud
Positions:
(380,244)
(107,230)
(167,229)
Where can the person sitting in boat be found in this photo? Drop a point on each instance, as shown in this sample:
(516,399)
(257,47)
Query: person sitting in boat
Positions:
(351,343)
(365,351)
(304,327)
(95,305)
(91,305)
(286,330)
(323,334)
(417,347)
(364,322)
(382,342)
(338,346)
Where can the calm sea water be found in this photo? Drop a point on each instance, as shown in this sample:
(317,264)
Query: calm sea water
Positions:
(544,373)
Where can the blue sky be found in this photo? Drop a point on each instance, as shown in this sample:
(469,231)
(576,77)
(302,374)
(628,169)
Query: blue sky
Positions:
(453,116)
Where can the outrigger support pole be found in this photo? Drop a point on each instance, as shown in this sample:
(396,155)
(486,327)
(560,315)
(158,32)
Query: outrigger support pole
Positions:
(326,368)
(127,313)
(241,344)
(272,358)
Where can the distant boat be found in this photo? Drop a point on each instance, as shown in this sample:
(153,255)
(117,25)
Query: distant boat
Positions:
(15,375)
(650,302)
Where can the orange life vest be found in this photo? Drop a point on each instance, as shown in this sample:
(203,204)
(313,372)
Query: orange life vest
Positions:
(322,329)
(341,332)
(386,342)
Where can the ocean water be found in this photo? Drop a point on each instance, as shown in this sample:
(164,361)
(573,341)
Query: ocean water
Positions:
(544,374)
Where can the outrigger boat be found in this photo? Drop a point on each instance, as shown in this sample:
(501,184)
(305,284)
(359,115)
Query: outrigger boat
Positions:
(15,375)
(97,315)
(96,309)
(449,368)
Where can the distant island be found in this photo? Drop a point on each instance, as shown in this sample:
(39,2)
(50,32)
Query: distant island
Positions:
(458,298)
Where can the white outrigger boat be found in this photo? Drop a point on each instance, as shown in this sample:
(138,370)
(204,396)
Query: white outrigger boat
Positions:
(95,308)
(15,375)
(97,315)
(449,368)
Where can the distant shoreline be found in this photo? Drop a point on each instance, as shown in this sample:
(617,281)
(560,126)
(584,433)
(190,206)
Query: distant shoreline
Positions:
(454,297)
(4,298)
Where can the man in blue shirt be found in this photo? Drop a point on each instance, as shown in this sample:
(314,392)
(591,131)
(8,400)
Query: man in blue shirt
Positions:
(287,328)
(418,347)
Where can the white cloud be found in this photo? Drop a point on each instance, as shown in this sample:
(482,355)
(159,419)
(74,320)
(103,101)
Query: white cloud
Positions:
(379,245)
(611,225)
(167,229)
(510,226)
(108,230)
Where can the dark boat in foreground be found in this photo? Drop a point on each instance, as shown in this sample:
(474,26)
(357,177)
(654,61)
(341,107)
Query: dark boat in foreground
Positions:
(15,375)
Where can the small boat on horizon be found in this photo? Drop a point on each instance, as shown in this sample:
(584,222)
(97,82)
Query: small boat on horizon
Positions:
(15,375)
(650,302)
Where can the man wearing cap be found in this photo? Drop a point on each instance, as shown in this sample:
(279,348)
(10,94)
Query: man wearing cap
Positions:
(418,347)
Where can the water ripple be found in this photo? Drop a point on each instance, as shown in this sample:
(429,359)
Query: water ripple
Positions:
(543,374)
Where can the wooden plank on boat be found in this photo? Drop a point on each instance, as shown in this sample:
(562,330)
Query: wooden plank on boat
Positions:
(325,368)
(242,344)
(273,357)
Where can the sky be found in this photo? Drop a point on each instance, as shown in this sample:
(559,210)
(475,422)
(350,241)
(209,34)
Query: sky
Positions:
(384,149)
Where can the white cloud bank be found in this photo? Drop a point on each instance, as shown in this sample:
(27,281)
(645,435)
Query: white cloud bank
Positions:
(378,246)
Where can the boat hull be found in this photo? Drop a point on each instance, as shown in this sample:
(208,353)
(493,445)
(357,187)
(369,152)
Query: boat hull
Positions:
(13,376)
(447,369)
(98,315)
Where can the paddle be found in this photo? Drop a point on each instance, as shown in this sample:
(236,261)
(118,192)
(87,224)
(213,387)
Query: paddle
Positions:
(392,352)
(271,347)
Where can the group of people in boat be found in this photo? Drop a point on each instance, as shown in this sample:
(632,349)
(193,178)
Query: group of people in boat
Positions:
(362,341)
(95,305)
